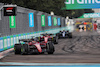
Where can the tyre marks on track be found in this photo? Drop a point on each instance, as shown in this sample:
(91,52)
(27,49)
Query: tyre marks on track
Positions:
(83,44)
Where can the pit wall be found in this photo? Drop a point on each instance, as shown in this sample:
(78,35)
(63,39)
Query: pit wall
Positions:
(8,42)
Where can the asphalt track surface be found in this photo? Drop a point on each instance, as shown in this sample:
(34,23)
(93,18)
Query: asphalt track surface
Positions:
(84,47)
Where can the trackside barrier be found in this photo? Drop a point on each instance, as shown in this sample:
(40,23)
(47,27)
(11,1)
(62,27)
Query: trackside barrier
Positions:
(5,42)
(11,41)
(1,44)
(8,42)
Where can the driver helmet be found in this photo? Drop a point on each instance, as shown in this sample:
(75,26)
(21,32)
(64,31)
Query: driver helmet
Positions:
(63,30)
(59,31)
(46,34)
(32,38)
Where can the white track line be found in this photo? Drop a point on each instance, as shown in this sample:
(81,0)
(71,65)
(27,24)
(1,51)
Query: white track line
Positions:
(4,53)
(46,64)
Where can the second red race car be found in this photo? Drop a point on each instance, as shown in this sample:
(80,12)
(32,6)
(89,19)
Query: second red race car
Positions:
(47,37)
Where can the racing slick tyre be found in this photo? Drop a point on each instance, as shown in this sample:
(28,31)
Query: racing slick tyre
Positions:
(24,49)
(55,40)
(50,48)
(70,35)
(58,35)
(17,48)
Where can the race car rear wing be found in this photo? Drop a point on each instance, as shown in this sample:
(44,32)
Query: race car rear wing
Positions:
(25,40)
(46,34)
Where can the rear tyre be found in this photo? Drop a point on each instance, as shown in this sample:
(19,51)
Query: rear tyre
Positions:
(58,35)
(24,49)
(50,48)
(17,48)
(70,35)
(56,40)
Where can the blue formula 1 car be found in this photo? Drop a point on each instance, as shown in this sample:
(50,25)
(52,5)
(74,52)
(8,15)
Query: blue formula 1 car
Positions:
(64,34)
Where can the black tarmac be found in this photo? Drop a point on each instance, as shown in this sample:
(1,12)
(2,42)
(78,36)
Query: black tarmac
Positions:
(84,47)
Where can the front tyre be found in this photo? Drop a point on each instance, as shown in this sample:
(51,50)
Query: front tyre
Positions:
(24,49)
(17,48)
(50,48)
(56,40)
(70,35)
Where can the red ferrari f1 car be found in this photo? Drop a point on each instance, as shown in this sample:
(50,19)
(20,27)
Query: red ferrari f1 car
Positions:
(46,37)
(28,46)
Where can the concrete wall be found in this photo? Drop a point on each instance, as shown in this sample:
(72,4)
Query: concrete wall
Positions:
(22,22)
